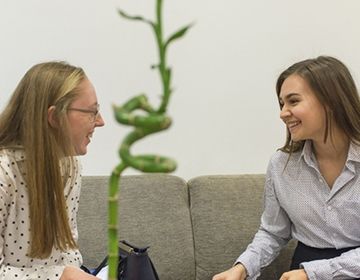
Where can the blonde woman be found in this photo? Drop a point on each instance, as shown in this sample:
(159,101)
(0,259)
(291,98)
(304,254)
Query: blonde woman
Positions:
(48,121)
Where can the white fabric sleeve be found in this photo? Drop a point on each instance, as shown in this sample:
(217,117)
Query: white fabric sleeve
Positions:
(346,266)
(35,272)
(274,233)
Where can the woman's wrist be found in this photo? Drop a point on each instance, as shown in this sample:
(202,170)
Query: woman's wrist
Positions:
(241,269)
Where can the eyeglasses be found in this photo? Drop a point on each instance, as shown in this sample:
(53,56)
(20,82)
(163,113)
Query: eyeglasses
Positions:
(94,114)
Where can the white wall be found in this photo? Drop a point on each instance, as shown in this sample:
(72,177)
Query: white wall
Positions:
(224,107)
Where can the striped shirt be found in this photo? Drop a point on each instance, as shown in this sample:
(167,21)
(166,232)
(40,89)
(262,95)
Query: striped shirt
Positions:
(299,204)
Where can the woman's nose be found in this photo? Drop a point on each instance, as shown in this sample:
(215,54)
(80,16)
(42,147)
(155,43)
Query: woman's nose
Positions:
(99,120)
(284,113)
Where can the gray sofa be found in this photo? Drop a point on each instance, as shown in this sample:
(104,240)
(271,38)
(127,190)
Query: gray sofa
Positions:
(194,229)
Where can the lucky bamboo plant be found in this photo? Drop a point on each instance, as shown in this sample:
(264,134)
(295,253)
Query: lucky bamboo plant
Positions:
(152,120)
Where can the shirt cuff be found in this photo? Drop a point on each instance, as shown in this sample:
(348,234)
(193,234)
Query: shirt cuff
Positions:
(251,270)
(319,270)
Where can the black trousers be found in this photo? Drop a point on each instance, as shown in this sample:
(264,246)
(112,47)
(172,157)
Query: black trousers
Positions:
(304,253)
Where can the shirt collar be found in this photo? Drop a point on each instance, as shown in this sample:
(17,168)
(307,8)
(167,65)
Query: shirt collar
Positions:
(17,152)
(354,152)
(307,152)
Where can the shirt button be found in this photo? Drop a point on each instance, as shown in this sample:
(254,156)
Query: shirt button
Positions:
(320,180)
(329,208)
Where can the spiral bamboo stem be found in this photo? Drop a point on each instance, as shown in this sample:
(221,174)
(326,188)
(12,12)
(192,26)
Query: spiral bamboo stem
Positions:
(152,121)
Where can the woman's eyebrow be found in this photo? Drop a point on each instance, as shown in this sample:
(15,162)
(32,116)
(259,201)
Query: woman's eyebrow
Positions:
(95,104)
(288,96)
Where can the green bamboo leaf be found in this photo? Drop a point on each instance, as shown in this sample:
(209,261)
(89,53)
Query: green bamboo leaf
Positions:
(178,34)
(136,18)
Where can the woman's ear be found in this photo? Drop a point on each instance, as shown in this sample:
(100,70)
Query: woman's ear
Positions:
(51,117)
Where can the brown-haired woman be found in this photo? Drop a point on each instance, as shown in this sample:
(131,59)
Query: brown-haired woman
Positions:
(312,191)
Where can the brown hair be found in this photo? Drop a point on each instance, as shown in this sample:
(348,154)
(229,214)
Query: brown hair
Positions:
(335,89)
(24,122)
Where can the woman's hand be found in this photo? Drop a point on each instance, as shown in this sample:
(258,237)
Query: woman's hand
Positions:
(75,273)
(237,272)
(297,274)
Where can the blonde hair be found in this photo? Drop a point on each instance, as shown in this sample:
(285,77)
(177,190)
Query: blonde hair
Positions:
(24,122)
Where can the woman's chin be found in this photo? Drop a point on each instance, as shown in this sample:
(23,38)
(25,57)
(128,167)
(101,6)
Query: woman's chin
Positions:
(80,151)
(295,138)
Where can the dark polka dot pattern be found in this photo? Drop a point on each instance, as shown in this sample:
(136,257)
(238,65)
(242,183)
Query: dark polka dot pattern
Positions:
(15,227)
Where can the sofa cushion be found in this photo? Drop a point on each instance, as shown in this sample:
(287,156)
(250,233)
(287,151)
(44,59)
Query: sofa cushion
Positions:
(92,219)
(153,211)
(226,214)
